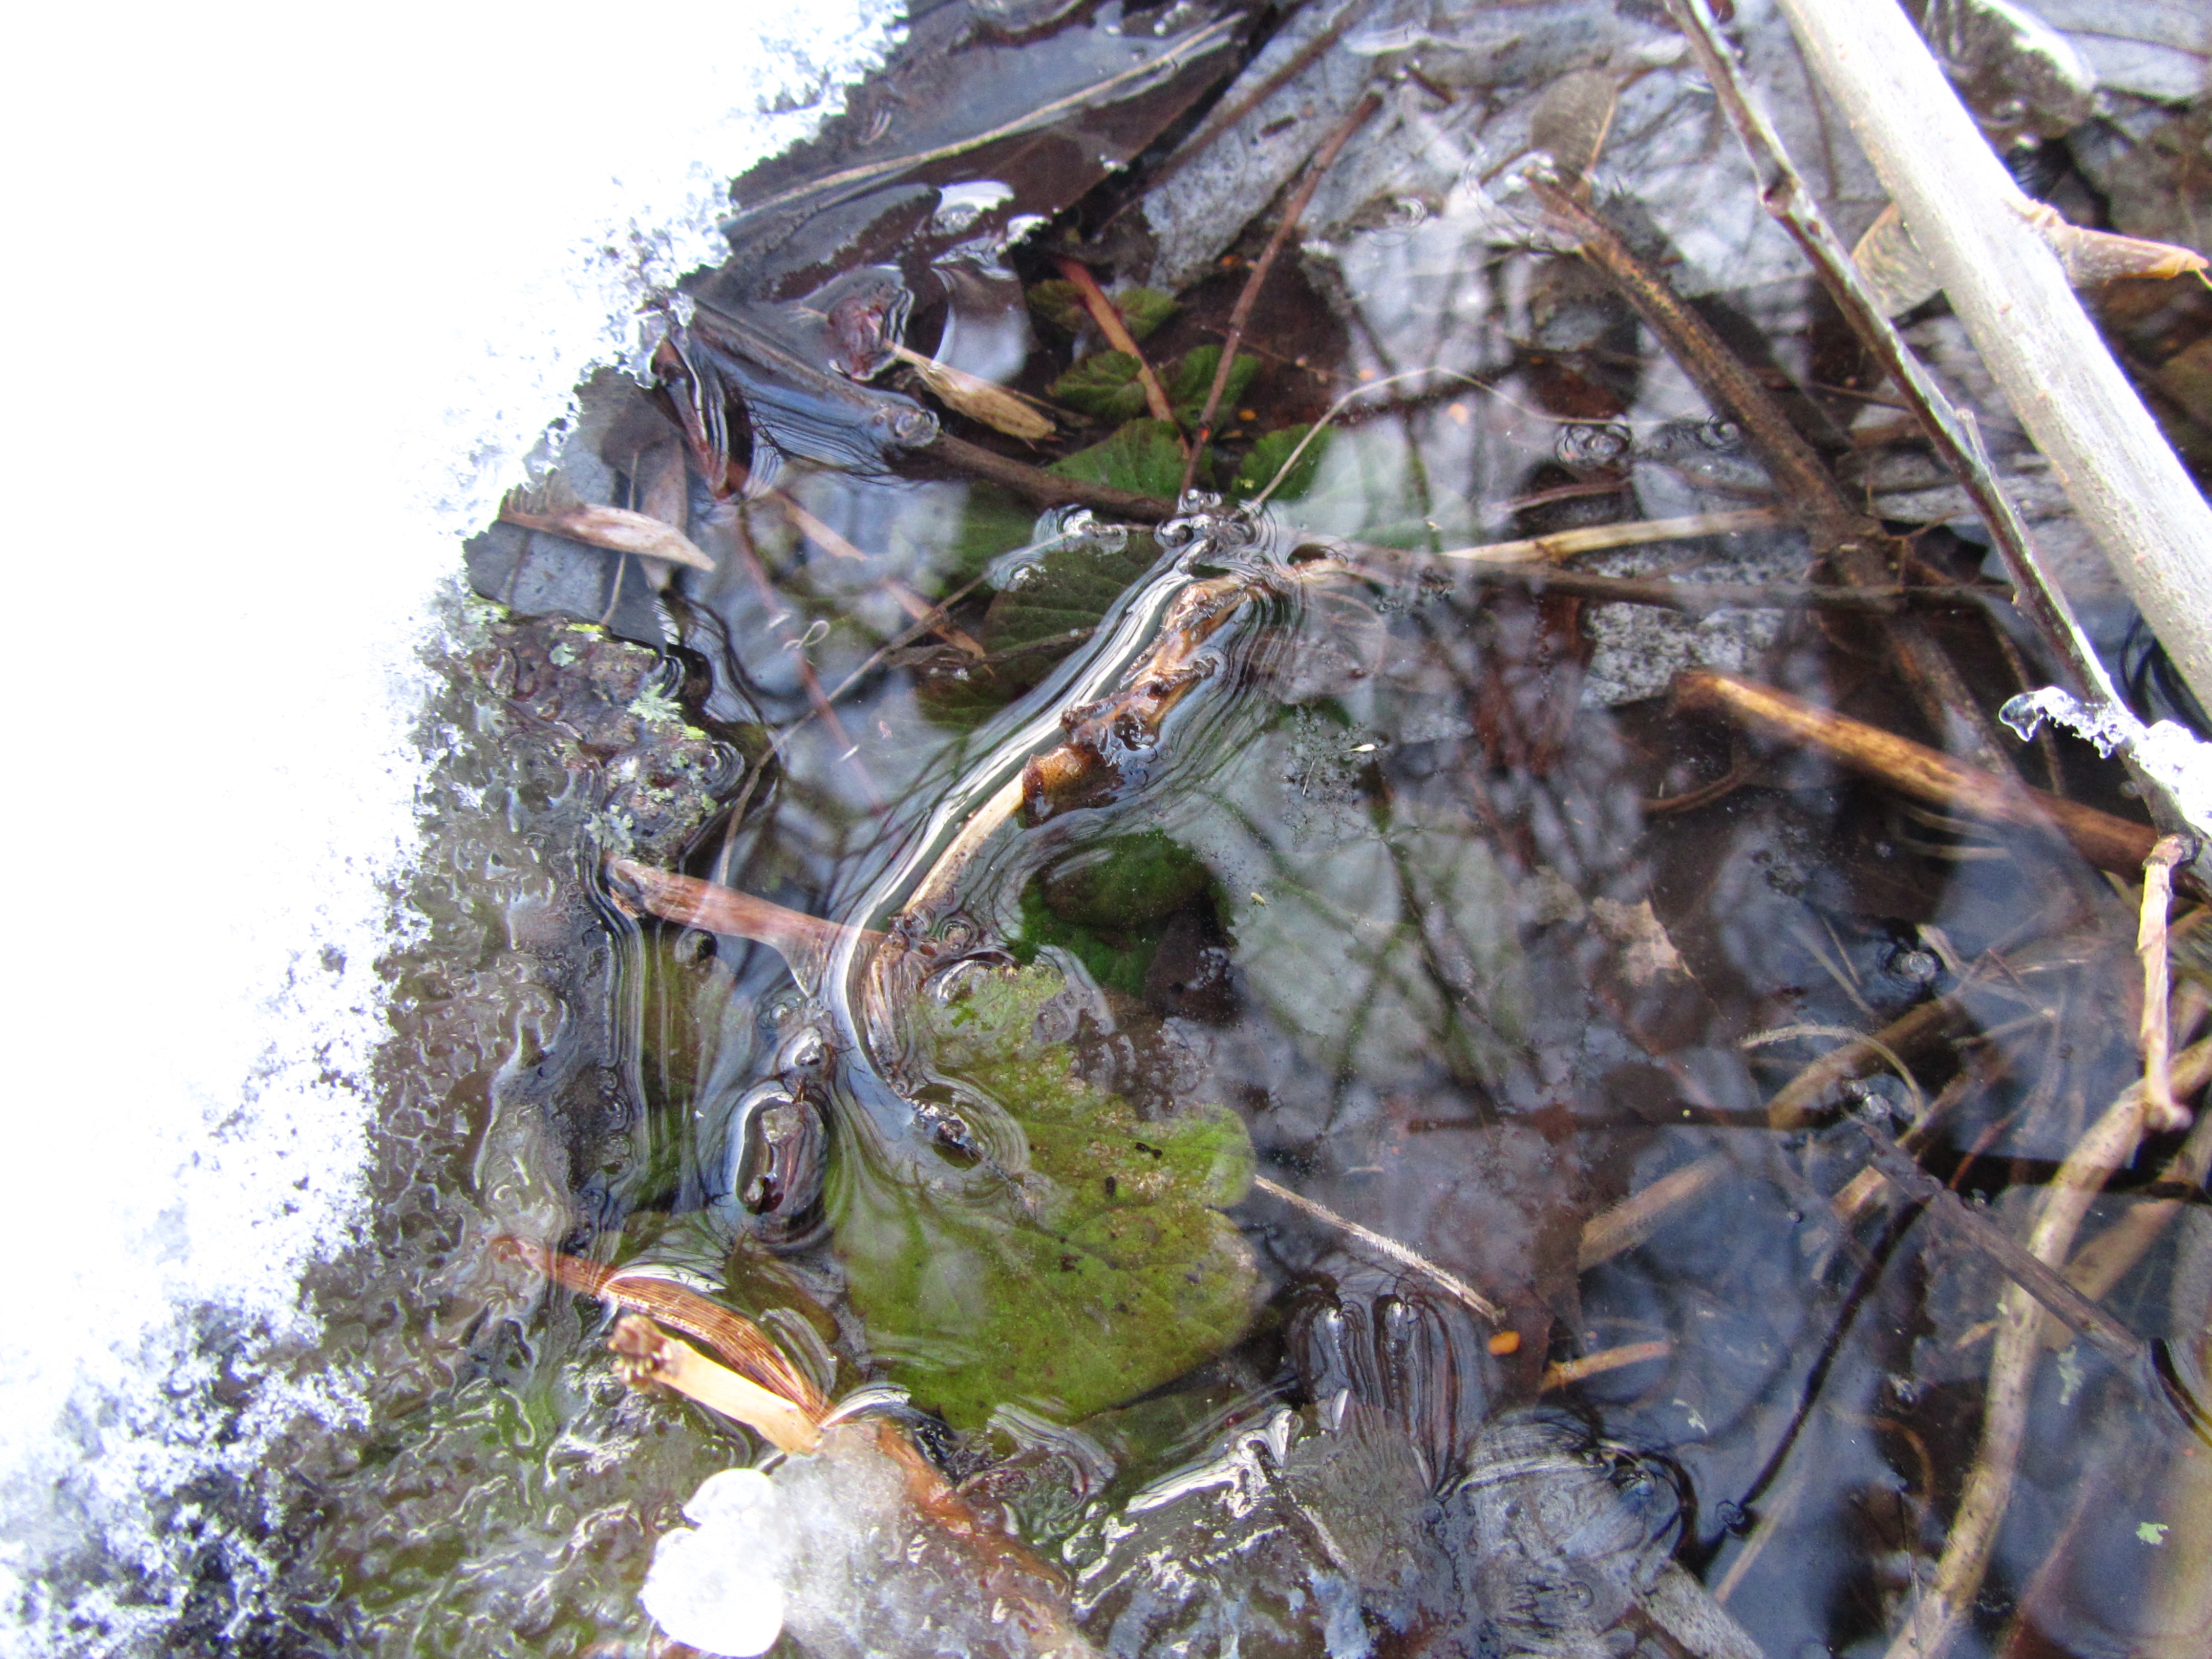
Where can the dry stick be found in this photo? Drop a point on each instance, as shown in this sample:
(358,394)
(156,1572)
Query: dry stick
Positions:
(1042,488)
(1838,530)
(1388,1247)
(1562,1372)
(2162,1113)
(1629,1223)
(1946,1603)
(1953,437)
(1976,231)
(1241,312)
(2109,843)
(1118,336)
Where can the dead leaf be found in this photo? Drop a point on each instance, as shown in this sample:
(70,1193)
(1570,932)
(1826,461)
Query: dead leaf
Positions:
(613,528)
(977,398)
(1647,954)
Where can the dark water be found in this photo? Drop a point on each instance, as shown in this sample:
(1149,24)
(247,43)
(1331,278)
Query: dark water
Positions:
(1416,906)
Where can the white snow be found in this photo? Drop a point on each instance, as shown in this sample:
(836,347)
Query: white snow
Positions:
(292,291)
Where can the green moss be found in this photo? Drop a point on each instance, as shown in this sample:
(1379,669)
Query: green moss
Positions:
(1101,1269)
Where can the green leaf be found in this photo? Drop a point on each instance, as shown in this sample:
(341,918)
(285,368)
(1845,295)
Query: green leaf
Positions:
(1060,303)
(1268,456)
(1094,1266)
(1144,309)
(1104,384)
(1194,378)
(1144,456)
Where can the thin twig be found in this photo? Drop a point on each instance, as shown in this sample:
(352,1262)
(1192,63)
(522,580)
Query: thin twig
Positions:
(1388,1247)
(2162,1113)
(1118,336)
(1241,312)
(1561,1373)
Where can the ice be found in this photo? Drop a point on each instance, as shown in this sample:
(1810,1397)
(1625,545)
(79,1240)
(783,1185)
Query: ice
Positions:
(2169,754)
(718,1585)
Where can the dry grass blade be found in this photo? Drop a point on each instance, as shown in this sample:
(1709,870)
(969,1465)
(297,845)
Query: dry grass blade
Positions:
(1629,1223)
(1600,538)
(1562,1373)
(616,529)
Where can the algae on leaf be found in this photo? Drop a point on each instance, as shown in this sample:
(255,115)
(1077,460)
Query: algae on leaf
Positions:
(1092,1266)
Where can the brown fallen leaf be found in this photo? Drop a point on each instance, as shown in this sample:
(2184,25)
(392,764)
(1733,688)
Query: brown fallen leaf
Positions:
(977,398)
(1647,954)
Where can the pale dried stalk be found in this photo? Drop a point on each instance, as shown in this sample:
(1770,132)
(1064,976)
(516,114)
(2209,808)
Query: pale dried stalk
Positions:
(648,1356)
(976,398)
(1978,234)
(614,529)
(2162,1112)
(1933,1620)
(1385,1247)
(1562,1372)
(2104,1259)
(1598,538)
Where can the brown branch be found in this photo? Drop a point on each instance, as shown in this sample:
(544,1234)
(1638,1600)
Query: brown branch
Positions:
(1914,770)
(1241,312)
(1043,488)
